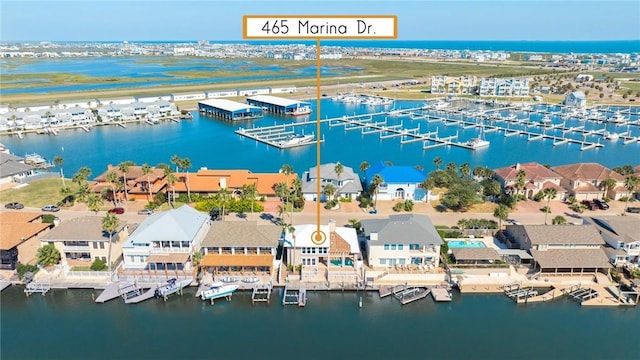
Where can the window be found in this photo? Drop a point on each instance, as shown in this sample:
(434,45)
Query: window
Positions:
(400,247)
(393,246)
(401,261)
(414,247)
(95,245)
(101,244)
(309,261)
(386,246)
(383,261)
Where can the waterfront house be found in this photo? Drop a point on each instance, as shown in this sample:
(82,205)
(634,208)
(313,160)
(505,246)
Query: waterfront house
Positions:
(140,186)
(584,181)
(166,240)
(240,246)
(504,87)
(335,255)
(347,184)
(561,249)
(401,240)
(206,182)
(82,241)
(400,182)
(17,229)
(537,178)
(620,233)
(461,85)
(576,99)
(13,168)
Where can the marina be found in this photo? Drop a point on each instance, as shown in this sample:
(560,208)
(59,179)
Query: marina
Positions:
(280,106)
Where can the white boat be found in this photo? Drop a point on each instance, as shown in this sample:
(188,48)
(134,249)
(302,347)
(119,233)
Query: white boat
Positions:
(477,143)
(171,287)
(218,290)
(229,279)
(617,118)
(296,139)
(301,110)
(250,280)
(439,105)
(545,119)
(611,136)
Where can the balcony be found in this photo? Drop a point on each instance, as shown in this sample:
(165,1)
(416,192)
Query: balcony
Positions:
(169,250)
(76,248)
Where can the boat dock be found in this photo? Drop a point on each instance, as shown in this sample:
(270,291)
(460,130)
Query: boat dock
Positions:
(277,136)
(517,293)
(37,287)
(294,296)
(411,294)
(582,294)
(441,294)
(109,293)
(4,285)
(389,290)
(261,293)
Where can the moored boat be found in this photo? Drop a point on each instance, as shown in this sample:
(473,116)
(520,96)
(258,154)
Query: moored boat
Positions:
(171,287)
(218,290)
(296,139)
(477,143)
(611,136)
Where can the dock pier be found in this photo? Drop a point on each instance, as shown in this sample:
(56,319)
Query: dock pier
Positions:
(261,293)
(37,287)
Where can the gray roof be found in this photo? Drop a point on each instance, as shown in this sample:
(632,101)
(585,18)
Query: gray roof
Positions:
(624,228)
(563,234)
(403,229)
(180,224)
(11,168)
(611,251)
(4,157)
(327,171)
(88,228)
(475,254)
(242,234)
(311,187)
(522,254)
(571,258)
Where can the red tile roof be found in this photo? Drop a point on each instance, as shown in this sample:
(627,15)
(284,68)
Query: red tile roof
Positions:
(587,172)
(210,180)
(534,171)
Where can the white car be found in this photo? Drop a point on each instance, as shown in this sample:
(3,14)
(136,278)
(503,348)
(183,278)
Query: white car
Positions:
(50,208)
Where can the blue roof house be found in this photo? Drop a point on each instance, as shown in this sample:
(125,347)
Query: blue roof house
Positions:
(400,182)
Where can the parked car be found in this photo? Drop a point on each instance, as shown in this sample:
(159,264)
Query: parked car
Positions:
(590,204)
(50,208)
(513,222)
(145,212)
(14,205)
(116,210)
(634,210)
(601,204)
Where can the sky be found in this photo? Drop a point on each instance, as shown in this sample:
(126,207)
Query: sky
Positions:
(170,20)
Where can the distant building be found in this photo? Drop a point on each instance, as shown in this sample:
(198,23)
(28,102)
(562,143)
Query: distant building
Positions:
(584,78)
(13,168)
(507,87)
(206,181)
(576,99)
(584,181)
(461,85)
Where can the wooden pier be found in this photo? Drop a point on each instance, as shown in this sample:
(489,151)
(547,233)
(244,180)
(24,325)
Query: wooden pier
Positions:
(111,292)
(441,294)
(37,287)
(261,293)
(290,296)
(389,290)
(302,297)
(517,294)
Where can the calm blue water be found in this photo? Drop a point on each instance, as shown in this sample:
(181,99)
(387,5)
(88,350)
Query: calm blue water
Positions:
(66,324)
(212,143)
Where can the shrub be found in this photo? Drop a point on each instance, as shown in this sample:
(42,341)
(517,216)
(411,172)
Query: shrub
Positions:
(298,267)
(624,198)
(345,199)
(365,202)
(408,205)
(398,207)
(538,196)
(98,265)
(48,218)
(330,204)
(152,205)
(48,255)
(577,207)
(25,268)
(263,198)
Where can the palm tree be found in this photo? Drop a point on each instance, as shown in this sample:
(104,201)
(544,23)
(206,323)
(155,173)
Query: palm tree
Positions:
(172,179)
(288,228)
(94,201)
(451,168)
(288,170)
(376,181)
(437,161)
(147,170)
(428,185)
(223,194)
(185,164)
(329,190)
(124,168)
(549,193)
(631,184)
(608,185)
(65,192)
(465,170)
(501,212)
(250,191)
(110,224)
(520,181)
(364,166)
(57,161)
(112,178)
(339,169)
(175,160)
(48,255)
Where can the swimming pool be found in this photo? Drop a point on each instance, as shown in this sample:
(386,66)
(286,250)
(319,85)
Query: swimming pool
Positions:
(465,244)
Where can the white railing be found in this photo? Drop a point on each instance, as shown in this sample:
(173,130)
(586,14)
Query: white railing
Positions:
(93,274)
(169,250)
(83,248)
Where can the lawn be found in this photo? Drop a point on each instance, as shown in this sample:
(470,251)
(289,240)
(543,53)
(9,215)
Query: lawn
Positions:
(38,193)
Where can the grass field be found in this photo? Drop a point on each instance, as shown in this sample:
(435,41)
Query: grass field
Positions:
(38,193)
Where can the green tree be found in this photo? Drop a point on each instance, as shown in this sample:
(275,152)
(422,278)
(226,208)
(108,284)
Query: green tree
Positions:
(171,180)
(465,170)
(110,223)
(196,258)
(48,255)
(329,190)
(491,188)
(185,164)
(631,183)
(66,192)
(549,193)
(501,212)
(94,202)
(249,192)
(58,161)
(112,178)
(559,220)
(437,161)
(98,265)
(408,205)
(124,168)
(376,181)
(364,166)
(223,195)
(287,170)
(462,195)
(521,176)
(452,169)
(356,224)
(147,170)
(608,185)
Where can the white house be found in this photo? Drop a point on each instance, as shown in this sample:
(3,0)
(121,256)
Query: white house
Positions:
(178,231)
(347,184)
(399,182)
(402,240)
(576,99)
(504,87)
(620,233)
